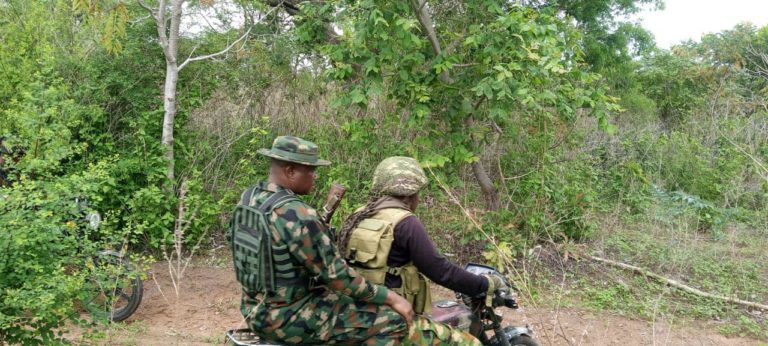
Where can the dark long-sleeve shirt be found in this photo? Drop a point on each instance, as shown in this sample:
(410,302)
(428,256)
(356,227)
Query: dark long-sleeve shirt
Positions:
(413,244)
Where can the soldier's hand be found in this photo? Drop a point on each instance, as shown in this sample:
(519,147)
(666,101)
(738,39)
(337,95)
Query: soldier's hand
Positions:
(401,306)
(495,283)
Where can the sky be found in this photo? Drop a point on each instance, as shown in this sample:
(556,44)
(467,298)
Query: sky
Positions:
(690,19)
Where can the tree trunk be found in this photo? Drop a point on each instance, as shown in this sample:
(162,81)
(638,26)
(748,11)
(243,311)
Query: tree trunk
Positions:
(169,102)
(170,44)
(486,184)
(481,174)
(168,38)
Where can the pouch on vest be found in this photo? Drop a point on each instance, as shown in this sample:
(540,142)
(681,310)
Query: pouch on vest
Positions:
(369,243)
(415,289)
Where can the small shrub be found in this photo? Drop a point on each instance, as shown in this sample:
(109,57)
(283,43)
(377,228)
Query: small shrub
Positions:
(44,251)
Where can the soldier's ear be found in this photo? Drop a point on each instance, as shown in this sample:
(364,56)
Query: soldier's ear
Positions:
(289,171)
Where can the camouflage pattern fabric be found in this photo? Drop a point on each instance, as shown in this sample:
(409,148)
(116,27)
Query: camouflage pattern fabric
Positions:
(294,149)
(398,176)
(342,307)
(428,332)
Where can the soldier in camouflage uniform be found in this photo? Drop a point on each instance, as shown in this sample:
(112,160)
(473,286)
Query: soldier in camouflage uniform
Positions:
(318,298)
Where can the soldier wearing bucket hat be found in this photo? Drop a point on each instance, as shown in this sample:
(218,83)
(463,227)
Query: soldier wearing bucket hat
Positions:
(317,298)
(405,253)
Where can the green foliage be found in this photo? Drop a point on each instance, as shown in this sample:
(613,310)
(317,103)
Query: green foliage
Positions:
(708,216)
(46,124)
(627,184)
(638,108)
(111,21)
(45,248)
(676,83)
(530,75)
(609,297)
(352,143)
(510,68)
(609,43)
(556,203)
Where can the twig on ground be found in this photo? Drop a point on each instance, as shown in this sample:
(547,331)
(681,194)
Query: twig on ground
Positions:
(159,289)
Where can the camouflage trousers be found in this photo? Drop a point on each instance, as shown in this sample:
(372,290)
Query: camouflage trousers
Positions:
(334,319)
(427,332)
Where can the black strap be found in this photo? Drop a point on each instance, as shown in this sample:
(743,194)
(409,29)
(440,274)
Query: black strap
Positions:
(247,195)
(277,199)
(297,281)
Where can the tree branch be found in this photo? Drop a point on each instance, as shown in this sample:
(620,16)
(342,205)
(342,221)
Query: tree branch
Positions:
(223,51)
(292,7)
(425,20)
(481,174)
(149,9)
(679,285)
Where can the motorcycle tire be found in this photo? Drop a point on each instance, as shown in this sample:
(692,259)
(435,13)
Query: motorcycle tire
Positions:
(523,340)
(128,291)
(132,301)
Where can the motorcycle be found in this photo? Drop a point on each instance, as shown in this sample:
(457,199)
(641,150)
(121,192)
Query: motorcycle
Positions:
(115,289)
(466,313)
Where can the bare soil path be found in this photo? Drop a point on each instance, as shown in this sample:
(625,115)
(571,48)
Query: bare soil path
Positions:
(209,298)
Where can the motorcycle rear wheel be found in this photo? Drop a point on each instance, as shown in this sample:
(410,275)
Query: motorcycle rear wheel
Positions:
(119,291)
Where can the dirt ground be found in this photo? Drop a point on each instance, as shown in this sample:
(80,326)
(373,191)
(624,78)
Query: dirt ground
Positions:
(208,305)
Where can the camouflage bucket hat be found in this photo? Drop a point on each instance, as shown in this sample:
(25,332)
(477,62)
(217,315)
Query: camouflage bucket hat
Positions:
(398,176)
(294,149)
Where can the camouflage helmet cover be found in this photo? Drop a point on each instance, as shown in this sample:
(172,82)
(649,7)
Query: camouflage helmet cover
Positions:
(398,176)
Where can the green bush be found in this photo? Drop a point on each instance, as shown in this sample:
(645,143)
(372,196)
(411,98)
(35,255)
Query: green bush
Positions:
(552,203)
(45,249)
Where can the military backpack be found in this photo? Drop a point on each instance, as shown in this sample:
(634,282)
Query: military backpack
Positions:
(251,241)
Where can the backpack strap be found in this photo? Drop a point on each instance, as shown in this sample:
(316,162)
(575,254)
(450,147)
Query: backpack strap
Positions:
(245,198)
(276,200)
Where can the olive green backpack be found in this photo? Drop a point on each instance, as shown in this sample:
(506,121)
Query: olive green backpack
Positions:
(251,241)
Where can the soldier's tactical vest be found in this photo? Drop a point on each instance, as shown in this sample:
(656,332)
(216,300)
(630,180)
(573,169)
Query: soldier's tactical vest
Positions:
(368,249)
(253,253)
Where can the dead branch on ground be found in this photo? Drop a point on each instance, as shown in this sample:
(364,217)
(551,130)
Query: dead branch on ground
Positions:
(677,284)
